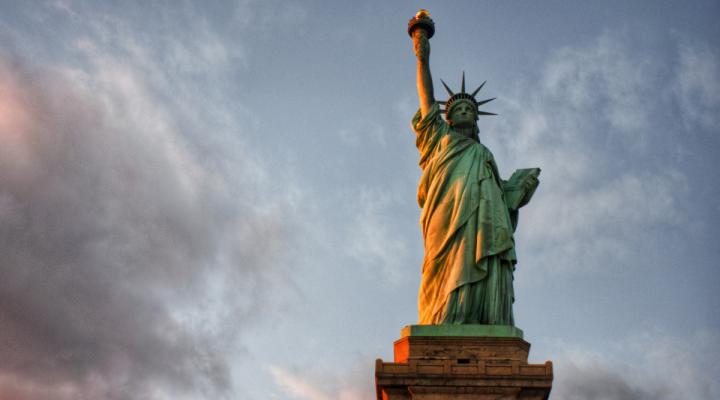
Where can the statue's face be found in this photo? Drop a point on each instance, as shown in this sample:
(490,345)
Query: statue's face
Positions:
(463,114)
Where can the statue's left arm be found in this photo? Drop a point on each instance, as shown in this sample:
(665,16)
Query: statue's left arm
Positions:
(520,187)
(529,187)
(518,191)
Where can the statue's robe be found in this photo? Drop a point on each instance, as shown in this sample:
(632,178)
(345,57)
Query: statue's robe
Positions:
(467,228)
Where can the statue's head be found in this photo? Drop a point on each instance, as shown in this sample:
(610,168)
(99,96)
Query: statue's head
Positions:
(461,109)
(462,113)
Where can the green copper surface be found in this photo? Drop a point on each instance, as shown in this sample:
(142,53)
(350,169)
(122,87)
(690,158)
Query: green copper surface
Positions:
(469,213)
(464,330)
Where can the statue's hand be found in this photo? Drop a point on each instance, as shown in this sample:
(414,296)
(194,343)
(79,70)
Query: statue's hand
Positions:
(531,183)
(421,45)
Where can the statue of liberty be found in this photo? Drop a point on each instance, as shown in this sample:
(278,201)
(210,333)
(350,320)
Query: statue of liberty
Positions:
(468,214)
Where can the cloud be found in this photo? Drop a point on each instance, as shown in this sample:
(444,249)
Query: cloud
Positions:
(355,383)
(363,131)
(698,87)
(648,366)
(267,15)
(132,260)
(296,386)
(609,179)
(371,241)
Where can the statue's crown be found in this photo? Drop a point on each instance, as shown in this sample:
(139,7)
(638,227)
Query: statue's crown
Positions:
(455,97)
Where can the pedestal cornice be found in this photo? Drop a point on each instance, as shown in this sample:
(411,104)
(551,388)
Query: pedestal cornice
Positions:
(433,367)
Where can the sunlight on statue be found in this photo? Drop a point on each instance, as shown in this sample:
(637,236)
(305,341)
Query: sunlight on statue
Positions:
(468,214)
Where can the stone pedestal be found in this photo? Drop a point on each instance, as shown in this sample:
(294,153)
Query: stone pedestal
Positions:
(467,362)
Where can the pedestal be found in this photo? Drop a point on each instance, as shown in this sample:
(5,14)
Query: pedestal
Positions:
(467,362)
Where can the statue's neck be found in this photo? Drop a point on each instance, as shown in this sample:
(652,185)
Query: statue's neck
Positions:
(467,131)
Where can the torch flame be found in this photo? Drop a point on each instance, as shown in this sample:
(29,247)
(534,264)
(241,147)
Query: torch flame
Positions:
(423,13)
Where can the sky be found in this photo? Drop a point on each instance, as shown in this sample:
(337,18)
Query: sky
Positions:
(217,200)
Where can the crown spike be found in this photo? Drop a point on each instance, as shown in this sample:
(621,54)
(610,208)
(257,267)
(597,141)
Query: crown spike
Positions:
(486,101)
(478,89)
(462,95)
(450,92)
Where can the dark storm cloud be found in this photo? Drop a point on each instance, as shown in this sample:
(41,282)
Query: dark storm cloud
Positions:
(652,365)
(112,234)
(595,383)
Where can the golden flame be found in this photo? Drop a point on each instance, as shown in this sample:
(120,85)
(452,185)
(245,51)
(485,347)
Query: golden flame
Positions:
(423,13)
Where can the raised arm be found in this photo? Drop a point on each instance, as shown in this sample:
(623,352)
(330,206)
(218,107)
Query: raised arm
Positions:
(424,79)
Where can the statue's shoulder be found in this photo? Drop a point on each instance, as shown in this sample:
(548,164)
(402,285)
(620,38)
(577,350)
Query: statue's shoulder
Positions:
(487,154)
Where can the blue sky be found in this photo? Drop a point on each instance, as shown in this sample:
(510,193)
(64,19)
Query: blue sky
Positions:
(218,200)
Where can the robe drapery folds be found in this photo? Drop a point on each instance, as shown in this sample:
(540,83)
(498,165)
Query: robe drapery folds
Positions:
(466,228)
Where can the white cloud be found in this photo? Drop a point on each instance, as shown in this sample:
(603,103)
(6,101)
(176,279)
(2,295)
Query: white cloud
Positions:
(121,204)
(603,222)
(596,122)
(296,386)
(608,80)
(273,14)
(313,385)
(363,132)
(651,365)
(370,237)
(698,87)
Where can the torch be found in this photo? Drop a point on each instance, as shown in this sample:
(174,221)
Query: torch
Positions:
(422,20)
